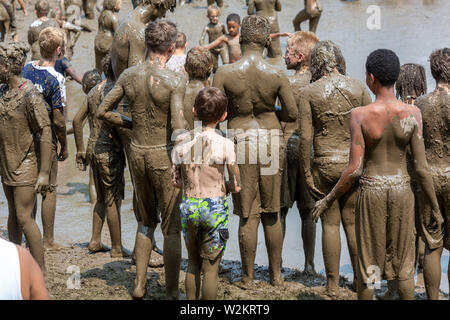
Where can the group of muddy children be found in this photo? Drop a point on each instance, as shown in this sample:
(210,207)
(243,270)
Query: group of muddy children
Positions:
(380,168)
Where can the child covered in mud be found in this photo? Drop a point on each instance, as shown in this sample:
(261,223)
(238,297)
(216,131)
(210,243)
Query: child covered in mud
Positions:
(105,157)
(293,188)
(177,61)
(268,9)
(312,12)
(25,127)
(51,84)
(199,65)
(380,134)
(231,39)
(198,168)
(215,29)
(435,108)
(107,25)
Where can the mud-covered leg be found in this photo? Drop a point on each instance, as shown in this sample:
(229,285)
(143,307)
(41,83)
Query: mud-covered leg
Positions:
(308,238)
(432,272)
(172,261)
(143,249)
(348,204)
(210,270)
(14,231)
(331,245)
(193,277)
(98,218)
(313,23)
(406,289)
(113,220)
(92,191)
(274,243)
(299,18)
(248,240)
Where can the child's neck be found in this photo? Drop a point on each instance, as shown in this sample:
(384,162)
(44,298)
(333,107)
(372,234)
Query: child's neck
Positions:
(179,52)
(210,126)
(48,63)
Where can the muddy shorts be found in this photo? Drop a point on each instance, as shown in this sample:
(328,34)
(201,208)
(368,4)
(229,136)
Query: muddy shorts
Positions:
(293,183)
(205,220)
(437,238)
(385,233)
(108,172)
(261,169)
(157,199)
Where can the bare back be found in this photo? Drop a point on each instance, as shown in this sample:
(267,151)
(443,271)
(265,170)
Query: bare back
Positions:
(252,87)
(388,129)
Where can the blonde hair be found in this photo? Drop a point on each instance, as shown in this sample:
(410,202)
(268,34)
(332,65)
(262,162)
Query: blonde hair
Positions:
(49,40)
(303,42)
(214,7)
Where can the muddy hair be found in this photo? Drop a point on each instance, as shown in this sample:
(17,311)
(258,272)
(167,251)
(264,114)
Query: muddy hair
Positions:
(181,40)
(412,81)
(199,63)
(107,67)
(303,42)
(49,40)
(166,4)
(109,4)
(90,79)
(210,104)
(215,8)
(160,35)
(440,65)
(325,57)
(255,29)
(14,55)
(42,8)
(384,65)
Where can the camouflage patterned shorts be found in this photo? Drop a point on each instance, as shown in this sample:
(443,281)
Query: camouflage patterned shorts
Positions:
(205,225)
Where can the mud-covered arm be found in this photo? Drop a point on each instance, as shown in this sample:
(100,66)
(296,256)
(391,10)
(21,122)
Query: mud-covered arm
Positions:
(217,42)
(203,36)
(78,124)
(354,169)
(421,167)
(233,184)
(289,110)
(110,102)
(75,76)
(114,22)
(30,37)
(278,5)
(178,122)
(306,140)
(176,176)
(39,122)
(251,7)
(279,34)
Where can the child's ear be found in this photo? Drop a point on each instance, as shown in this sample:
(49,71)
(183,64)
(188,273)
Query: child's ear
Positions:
(223,117)
(194,111)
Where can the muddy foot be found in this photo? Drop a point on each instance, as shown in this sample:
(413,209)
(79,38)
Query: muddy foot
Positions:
(139,292)
(246,285)
(124,253)
(332,292)
(309,271)
(52,246)
(277,282)
(97,247)
(387,296)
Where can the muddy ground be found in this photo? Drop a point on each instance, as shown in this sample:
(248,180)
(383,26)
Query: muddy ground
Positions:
(102,277)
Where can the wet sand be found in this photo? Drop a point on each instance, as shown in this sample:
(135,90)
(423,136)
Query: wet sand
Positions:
(106,278)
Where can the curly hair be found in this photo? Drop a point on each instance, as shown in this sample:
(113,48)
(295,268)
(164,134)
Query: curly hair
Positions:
(14,55)
(325,57)
(166,4)
(440,64)
(160,35)
(90,79)
(384,65)
(412,81)
(255,29)
(199,63)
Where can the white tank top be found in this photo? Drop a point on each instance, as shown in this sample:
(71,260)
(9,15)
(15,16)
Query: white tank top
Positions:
(10,288)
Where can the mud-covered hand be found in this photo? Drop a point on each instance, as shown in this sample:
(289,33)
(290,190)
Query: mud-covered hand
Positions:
(80,161)
(320,207)
(41,183)
(437,220)
(315,193)
(63,154)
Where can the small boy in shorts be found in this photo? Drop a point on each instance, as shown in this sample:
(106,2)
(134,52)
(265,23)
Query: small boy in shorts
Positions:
(198,169)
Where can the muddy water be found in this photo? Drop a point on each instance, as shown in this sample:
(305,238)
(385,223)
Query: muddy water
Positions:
(412,28)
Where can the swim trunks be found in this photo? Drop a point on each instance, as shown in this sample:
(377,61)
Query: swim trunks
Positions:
(205,220)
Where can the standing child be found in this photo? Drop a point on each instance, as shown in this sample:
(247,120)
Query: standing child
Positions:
(231,39)
(199,64)
(214,30)
(52,86)
(311,12)
(204,208)
(107,25)
(177,61)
